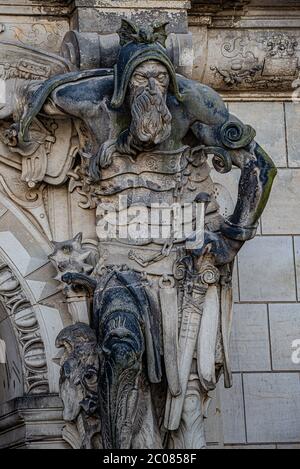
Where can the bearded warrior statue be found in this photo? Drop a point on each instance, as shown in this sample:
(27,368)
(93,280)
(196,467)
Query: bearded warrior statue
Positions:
(159,307)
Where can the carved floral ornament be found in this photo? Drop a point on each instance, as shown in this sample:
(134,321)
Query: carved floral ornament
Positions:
(151,314)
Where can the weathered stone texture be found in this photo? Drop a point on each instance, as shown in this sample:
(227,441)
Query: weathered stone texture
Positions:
(284,331)
(232,412)
(267,270)
(293,137)
(272,407)
(267,321)
(282,214)
(268,121)
(250,348)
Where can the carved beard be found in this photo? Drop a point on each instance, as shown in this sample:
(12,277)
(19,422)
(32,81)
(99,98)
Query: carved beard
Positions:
(151,118)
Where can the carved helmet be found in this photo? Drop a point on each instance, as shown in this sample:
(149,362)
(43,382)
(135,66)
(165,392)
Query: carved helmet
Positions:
(139,45)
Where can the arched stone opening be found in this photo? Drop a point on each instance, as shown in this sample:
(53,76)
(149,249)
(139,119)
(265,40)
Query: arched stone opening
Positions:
(32,313)
(31,297)
(11,372)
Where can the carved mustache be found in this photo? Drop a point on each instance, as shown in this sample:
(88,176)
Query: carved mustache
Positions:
(151,117)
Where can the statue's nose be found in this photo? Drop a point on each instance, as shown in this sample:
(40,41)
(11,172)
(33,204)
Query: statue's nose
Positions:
(151,84)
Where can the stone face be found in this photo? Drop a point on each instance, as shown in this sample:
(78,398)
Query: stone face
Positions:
(250,348)
(266,269)
(284,331)
(272,407)
(282,214)
(268,121)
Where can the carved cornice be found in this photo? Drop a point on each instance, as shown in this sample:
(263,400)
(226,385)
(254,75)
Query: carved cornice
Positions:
(36,7)
(133,4)
(246,13)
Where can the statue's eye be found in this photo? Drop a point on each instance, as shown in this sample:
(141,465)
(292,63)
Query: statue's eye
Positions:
(161,77)
(140,78)
(91,378)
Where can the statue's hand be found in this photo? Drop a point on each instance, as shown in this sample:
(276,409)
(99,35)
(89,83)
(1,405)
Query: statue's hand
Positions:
(102,160)
(10,136)
(223,249)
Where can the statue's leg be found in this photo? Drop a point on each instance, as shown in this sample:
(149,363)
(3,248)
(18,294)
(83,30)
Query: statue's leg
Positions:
(190,434)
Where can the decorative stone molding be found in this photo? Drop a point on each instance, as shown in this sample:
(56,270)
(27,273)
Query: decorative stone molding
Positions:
(258,61)
(22,315)
(248,30)
(32,422)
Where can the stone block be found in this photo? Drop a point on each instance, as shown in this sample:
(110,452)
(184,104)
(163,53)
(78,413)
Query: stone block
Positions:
(232,412)
(266,269)
(297,258)
(292,111)
(250,447)
(213,423)
(109,20)
(284,331)
(272,407)
(282,213)
(268,121)
(295,446)
(250,348)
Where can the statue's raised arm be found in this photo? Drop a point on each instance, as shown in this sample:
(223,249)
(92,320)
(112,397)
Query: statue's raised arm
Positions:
(240,149)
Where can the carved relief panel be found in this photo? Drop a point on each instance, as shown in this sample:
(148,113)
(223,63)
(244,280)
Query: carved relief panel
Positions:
(249,60)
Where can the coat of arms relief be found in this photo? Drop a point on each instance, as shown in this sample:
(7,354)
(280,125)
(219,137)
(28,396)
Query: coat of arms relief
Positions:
(151,302)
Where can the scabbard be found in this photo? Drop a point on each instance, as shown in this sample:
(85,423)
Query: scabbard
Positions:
(169,309)
(207,339)
(191,319)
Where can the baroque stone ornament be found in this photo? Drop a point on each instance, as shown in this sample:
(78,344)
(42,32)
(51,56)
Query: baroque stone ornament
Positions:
(264,61)
(152,306)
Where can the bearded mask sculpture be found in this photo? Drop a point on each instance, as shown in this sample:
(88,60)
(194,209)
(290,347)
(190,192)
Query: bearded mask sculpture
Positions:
(162,308)
(151,118)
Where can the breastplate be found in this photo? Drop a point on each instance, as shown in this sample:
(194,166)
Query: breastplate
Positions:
(146,189)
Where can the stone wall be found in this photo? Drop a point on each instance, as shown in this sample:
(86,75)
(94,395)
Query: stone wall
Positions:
(263,407)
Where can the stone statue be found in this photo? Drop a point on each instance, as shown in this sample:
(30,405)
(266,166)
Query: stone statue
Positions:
(151,338)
